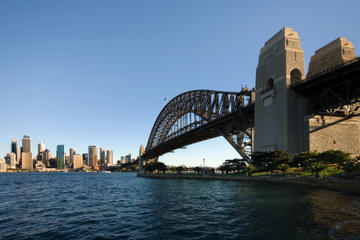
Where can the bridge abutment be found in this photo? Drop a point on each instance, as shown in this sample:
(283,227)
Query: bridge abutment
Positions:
(279,111)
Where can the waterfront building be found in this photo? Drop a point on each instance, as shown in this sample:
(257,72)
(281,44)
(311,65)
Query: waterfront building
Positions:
(122,159)
(86,158)
(72,153)
(18,156)
(26,146)
(67,160)
(77,161)
(102,156)
(128,158)
(60,156)
(2,165)
(41,147)
(142,150)
(11,160)
(109,157)
(26,161)
(15,149)
(46,155)
(93,156)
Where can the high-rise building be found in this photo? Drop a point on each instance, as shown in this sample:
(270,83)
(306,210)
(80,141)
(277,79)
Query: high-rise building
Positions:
(142,150)
(77,161)
(122,159)
(128,158)
(46,155)
(15,149)
(93,156)
(26,160)
(26,147)
(2,165)
(102,156)
(72,153)
(67,160)
(41,147)
(86,158)
(60,156)
(109,157)
(12,160)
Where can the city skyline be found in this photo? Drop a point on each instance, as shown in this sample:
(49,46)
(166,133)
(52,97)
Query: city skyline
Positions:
(69,78)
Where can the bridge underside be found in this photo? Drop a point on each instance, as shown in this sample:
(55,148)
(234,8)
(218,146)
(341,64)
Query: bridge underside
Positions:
(335,92)
(233,124)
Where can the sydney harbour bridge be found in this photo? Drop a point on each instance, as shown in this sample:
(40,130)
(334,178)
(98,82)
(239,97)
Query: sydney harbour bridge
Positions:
(331,91)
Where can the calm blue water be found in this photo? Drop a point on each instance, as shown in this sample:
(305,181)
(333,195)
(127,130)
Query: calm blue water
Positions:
(122,206)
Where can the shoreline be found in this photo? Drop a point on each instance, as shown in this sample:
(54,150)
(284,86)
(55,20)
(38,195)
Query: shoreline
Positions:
(334,184)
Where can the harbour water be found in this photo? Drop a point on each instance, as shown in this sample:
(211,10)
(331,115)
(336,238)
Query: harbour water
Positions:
(122,206)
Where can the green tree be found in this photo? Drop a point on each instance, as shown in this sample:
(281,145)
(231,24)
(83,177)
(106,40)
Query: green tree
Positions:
(160,167)
(250,169)
(334,157)
(197,170)
(222,168)
(316,167)
(283,167)
(304,159)
(179,169)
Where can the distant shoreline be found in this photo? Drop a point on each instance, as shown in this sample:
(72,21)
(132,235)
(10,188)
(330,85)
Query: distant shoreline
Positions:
(335,184)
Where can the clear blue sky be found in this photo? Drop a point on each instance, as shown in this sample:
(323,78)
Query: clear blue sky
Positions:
(85,73)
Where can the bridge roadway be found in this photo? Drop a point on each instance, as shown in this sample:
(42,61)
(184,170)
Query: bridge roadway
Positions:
(334,92)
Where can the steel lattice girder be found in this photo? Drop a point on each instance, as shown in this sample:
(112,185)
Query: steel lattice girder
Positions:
(210,107)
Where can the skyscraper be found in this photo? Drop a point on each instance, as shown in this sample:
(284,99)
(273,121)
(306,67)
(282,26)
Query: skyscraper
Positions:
(26,147)
(86,158)
(46,155)
(12,160)
(128,158)
(109,157)
(15,149)
(102,156)
(77,161)
(72,153)
(41,147)
(142,150)
(26,160)
(92,156)
(60,156)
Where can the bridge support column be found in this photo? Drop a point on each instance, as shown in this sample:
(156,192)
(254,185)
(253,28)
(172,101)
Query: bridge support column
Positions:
(141,164)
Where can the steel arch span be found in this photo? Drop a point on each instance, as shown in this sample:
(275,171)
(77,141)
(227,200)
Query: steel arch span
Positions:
(199,115)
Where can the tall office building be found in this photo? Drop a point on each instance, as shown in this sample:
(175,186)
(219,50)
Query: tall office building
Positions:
(86,158)
(12,160)
(142,150)
(46,155)
(15,149)
(122,159)
(26,160)
(72,153)
(109,157)
(77,161)
(93,156)
(102,156)
(128,158)
(41,147)
(60,156)
(26,147)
